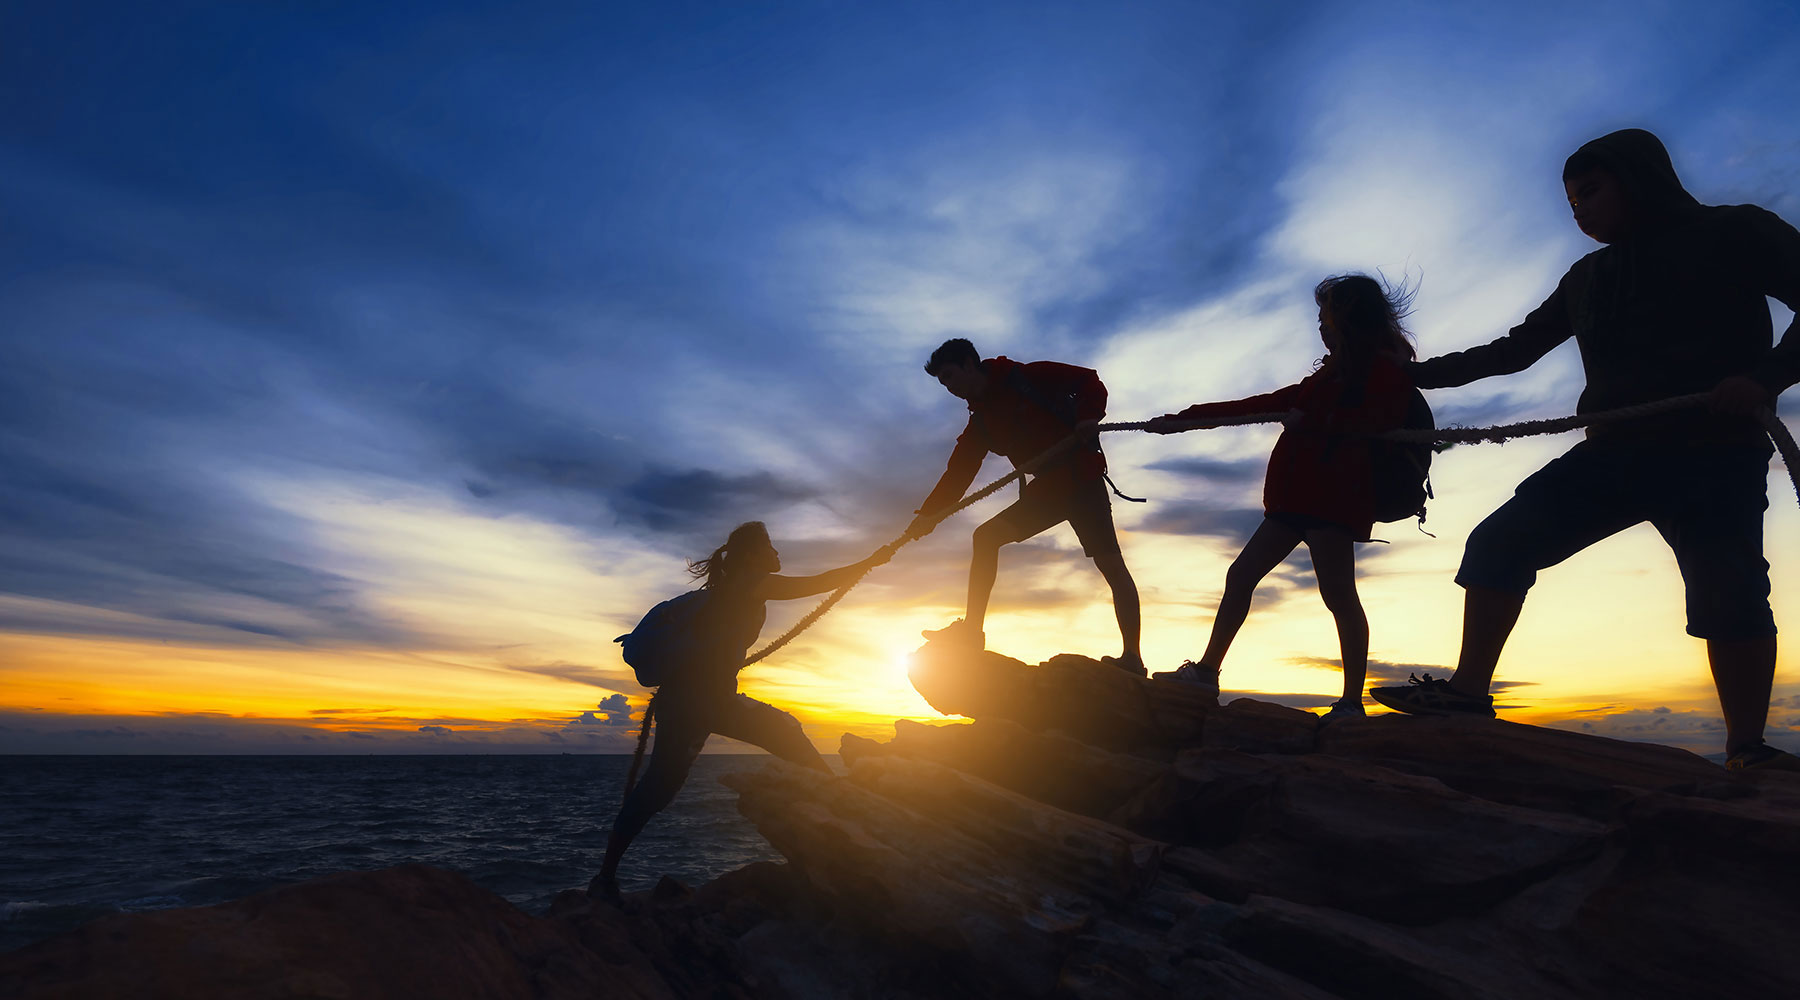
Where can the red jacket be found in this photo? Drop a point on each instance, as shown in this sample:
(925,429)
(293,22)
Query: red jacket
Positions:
(1002,420)
(1317,468)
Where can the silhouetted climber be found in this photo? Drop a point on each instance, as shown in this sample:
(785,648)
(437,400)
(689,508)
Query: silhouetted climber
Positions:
(700,697)
(1673,304)
(1320,487)
(1020,410)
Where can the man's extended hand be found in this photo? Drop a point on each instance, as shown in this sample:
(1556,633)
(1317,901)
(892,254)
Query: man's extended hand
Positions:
(920,526)
(1740,396)
(1161,425)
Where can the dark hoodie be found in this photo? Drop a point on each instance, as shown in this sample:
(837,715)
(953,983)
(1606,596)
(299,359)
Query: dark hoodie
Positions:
(1672,309)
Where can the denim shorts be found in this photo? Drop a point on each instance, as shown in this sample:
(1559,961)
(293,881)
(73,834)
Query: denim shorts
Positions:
(1707,503)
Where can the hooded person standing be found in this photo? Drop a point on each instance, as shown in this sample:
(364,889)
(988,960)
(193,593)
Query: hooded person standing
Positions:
(1672,305)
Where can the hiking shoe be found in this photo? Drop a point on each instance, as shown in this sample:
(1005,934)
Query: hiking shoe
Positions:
(1193,673)
(1432,696)
(1343,708)
(957,633)
(1131,663)
(1760,756)
(604,887)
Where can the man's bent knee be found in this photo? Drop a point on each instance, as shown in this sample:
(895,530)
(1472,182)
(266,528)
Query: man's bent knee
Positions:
(1491,561)
(993,534)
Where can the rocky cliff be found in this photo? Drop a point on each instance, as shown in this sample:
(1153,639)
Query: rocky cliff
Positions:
(1088,834)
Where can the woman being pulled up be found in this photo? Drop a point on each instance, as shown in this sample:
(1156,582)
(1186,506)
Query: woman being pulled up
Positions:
(702,698)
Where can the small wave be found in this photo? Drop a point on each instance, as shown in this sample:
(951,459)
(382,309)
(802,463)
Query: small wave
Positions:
(151,903)
(19,908)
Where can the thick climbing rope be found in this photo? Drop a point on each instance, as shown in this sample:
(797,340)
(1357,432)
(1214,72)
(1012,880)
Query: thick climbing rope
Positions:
(1777,431)
(1771,424)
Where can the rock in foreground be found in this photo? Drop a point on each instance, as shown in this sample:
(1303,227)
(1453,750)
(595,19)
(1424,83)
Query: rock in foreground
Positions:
(1091,835)
(411,931)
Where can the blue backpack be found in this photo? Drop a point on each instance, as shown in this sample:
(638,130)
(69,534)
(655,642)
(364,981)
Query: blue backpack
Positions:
(669,637)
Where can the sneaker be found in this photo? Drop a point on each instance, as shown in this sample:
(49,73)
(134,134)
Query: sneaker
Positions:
(1343,708)
(1193,673)
(1760,756)
(1131,663)
(957,633)
(1432,696)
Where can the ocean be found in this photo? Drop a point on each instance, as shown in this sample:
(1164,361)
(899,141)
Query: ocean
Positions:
(85,836)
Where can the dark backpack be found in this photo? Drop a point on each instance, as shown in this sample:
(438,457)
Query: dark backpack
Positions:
(1062,407)
(1402,475)
(669,637)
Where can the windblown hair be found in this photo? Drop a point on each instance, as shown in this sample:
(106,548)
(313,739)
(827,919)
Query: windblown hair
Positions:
(1369,315)
(956,351)
(718,567)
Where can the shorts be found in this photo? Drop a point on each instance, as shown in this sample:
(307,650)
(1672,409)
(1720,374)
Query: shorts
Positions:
(1707,503)
(1084,504)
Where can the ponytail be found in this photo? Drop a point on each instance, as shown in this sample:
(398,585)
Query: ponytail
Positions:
(717,568)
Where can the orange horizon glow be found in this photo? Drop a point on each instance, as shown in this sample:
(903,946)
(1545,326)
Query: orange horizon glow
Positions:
(514,625)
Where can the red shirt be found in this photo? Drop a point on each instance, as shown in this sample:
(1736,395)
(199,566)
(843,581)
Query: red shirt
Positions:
(1004,421)
(1318,467)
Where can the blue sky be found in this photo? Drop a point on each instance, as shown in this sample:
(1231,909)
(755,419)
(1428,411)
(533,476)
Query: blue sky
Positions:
(327,323)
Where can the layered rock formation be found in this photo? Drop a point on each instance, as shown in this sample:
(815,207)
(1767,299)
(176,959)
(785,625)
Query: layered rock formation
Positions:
(1092,834)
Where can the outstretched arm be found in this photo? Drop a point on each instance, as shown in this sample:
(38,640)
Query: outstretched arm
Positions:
(1515,351)
(1279,401)
(786,588)
(965,464)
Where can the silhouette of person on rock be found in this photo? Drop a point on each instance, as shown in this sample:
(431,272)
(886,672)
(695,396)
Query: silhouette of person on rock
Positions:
(701,698)
(1019,411)
(1320,485)
(1673,304)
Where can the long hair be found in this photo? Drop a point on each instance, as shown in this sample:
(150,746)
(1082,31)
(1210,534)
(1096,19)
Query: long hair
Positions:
(720,566)
(1369,316)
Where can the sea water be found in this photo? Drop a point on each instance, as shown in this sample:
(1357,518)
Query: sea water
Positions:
(85,836)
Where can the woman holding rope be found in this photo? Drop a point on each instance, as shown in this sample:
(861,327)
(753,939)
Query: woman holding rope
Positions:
(702,698)
(1673,304)
(1320,484)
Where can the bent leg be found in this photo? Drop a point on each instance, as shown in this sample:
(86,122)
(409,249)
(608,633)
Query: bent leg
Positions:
(1036,509)
(761,724)
(1334,566)
(984,565)
(1267,547)
(1580,498)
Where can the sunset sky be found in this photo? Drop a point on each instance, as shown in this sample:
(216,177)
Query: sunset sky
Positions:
(365,368)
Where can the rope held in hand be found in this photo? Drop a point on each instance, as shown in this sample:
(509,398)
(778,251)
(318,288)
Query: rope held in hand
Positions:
(1777,431)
